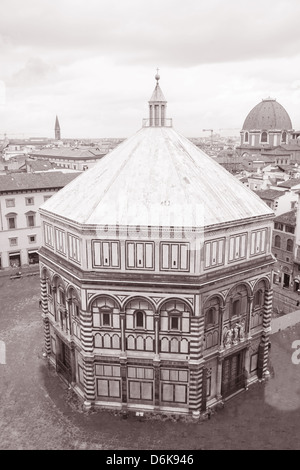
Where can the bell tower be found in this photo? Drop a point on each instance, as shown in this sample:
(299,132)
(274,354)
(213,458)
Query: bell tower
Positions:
(57,129)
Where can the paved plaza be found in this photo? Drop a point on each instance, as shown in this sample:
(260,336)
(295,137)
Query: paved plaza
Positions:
(37,411)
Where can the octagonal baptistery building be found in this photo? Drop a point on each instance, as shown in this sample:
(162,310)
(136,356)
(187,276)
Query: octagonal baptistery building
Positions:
(155,277)
(266,127)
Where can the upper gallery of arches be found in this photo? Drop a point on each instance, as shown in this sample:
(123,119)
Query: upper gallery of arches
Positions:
(156,178)
(268,115)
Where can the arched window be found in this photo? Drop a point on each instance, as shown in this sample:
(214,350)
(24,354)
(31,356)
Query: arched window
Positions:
(289,245)
(211,317)
(283,137)
(139,319)
(264,137)
(277,241)
(61,298)
(246,138)
(258,298)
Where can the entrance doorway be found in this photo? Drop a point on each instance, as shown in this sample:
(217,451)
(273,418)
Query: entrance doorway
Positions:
(286,280)
(14,260)
(33,257)
(233,378)
(63,360)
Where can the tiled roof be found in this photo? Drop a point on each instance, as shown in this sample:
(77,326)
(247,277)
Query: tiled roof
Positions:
(68,153)
(270,194)
(27,181)
(156,177)
(290,183)
(40,165)
(288,218)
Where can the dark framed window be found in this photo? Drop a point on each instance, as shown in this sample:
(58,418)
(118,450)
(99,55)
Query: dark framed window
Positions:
(289,228)
(277,242)
(211,317)
(289,245)
(61,297)
(236,307)
(278,226)
(29,201)
(30,216)
(174,322)
(106,319)
(11,220)
(139,319)
(264,137)
(258,298)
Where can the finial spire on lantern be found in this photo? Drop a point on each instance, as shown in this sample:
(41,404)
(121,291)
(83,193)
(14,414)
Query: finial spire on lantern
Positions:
(157,76)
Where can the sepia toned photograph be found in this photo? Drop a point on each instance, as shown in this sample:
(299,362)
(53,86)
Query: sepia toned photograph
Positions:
(149,228)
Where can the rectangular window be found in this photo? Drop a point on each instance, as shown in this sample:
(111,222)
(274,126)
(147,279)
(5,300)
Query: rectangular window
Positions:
(174,393)
(289,229)
(30,220)
(278,226)
(74,248)
(11,222)
(48,235)
(174,375)
(106,254)
(139,255)
(140,373)
(60,241)
(175,256)
(214,253)
(108,388)
(31,238)
(13,241)
(237,247)
(10,202)
(29,201)
(108,370)
(139,390)
(258,242)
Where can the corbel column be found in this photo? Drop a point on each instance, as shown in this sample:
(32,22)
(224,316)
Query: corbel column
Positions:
(221,339)
(263,349)
(123,338)
(219,377)
(87,342)
(44,305)
(248,324)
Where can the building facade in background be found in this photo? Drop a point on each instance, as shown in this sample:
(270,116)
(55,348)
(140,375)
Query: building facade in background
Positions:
(21,195)
(156,290)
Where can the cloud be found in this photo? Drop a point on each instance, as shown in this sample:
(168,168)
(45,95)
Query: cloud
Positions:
(169,31)
(35,72)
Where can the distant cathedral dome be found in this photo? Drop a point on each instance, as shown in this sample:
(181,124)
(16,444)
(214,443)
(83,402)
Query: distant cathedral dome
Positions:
(268,115)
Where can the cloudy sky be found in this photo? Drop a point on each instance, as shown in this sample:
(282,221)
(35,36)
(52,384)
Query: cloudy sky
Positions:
(93,62)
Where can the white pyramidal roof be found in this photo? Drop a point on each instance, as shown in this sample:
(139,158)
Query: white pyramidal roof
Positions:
(157,177)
